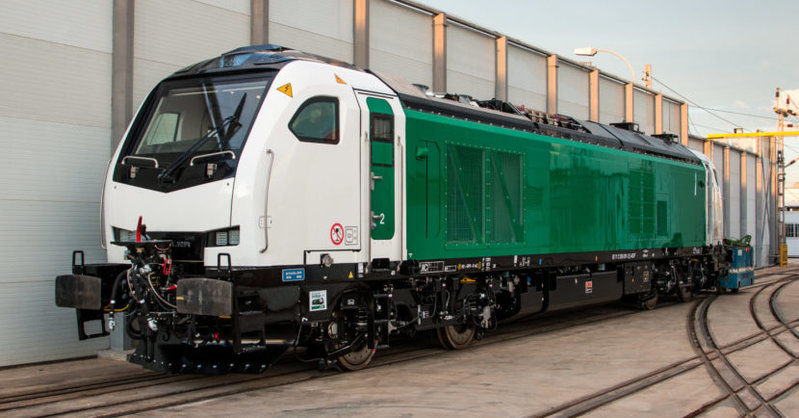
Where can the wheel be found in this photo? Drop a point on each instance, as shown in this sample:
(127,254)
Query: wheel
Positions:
(650,303)
(684,293)
(345,330)
(456,337)
(356,359)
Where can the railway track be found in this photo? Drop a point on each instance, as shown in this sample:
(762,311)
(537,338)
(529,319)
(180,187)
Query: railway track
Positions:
(748,400)
(146,391)
(150,391)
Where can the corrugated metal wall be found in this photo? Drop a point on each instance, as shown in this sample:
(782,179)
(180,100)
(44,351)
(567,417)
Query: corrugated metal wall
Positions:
(611,100)
(644,105)
(55,120)
(734,202)
(164,44)
(572,91)
(527,78)
(401,38)
(751,193)
(696,144)
(471,62)
(671,117)
(318,27)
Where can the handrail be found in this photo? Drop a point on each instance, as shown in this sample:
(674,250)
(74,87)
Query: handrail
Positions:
(271,155)
(232,155)
(136,157)
(102,207)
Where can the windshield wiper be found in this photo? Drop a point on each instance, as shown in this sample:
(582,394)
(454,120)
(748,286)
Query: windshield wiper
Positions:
(166,175)
(232,122)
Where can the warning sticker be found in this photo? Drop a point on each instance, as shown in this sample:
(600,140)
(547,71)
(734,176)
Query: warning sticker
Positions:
(337,234)
(589,286)
(317,300)
(286,89)
(351,235)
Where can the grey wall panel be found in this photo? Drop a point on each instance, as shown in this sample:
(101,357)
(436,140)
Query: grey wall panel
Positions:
(84,24)
(751,190)
(644,114)
(161,41)
(43,249)
(527,78)
(572,91)
(671,117)
(55,78)
(734,204)
(146,75)
(53,161)
(696,145)
(611,100)
(37,330)
(718,162)
(238,6)
(401,42)
(471,58)
(319,27)
(80,94)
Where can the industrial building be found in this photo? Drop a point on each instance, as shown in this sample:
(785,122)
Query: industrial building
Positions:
(75,72)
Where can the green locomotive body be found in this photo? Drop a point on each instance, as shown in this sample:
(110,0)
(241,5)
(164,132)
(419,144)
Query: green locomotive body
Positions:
(477,190)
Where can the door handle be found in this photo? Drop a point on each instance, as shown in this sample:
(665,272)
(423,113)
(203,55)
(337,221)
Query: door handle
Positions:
(377,219)
(373,177)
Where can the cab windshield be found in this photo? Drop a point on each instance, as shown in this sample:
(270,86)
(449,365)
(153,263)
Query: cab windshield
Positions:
(192,118)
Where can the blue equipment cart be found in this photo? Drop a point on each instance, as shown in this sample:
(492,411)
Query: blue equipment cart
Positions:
(742,268)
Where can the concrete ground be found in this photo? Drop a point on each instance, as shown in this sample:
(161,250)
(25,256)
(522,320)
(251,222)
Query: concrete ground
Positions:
(532,374)
(529,375)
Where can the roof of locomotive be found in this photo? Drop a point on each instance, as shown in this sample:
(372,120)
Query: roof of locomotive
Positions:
(506,115)
(273,57)
(255,58)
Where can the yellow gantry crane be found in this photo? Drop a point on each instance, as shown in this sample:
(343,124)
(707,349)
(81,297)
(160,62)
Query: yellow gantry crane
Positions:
(779,136)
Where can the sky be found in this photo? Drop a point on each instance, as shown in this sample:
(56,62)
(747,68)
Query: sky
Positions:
(725,55)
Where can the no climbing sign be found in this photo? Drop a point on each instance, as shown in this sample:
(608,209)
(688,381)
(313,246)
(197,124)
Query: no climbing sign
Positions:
(337,234)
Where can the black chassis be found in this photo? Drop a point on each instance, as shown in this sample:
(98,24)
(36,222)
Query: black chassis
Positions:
(270,315)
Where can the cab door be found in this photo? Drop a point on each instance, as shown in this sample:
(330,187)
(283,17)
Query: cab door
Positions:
(382,123)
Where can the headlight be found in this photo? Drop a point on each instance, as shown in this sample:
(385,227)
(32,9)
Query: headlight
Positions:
(223,237)
(123,235)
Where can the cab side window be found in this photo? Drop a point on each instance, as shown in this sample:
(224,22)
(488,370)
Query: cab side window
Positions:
(317,120)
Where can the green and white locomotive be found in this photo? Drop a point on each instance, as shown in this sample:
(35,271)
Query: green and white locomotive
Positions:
(268,199)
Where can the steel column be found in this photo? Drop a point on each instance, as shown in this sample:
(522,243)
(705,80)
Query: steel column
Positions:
(658,113)
(593,96)
(629,110)
(121,69)
(743,195)
(552,84)
(360,36)
(259,22)
(726,190)
(440,52)
(121,106)
(684,124)
(501,79)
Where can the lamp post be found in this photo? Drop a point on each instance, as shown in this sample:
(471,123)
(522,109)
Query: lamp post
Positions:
(590,52)
(629,112)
